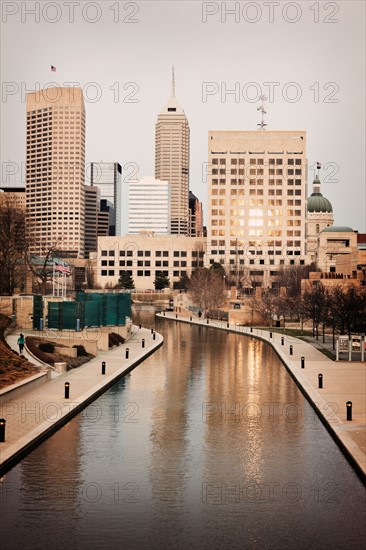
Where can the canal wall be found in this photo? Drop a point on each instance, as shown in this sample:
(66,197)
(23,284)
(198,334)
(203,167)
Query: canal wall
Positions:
(342,382)
(36,414)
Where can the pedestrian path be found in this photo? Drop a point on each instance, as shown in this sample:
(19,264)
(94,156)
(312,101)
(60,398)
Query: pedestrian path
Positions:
(342,382)
(12,340)
(37,413)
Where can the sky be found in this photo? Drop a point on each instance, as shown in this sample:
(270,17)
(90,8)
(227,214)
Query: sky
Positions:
(307,57)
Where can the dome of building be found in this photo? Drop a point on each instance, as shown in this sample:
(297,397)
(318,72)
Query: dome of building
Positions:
(338,229)
(316,201)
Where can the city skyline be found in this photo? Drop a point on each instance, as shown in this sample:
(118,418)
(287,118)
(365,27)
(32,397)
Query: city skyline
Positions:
(216,84)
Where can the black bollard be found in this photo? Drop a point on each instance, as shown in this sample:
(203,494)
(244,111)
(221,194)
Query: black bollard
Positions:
(190,319)
(2,430)
(103,367)
(302,362)
(164,312)
(176,315)
(143,342)
(154,335)
(251,329)
(208,321)
(349,410)
(291,350)
(152,330)
(67,390)
(282,341)
(140,325)
(270,335)
(127,353)
(320,381)
(227,325)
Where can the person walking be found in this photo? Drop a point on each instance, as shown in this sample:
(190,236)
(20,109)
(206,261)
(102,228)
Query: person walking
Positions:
(21,342)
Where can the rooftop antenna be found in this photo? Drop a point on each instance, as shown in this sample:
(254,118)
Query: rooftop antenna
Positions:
(173,82)
(261,108)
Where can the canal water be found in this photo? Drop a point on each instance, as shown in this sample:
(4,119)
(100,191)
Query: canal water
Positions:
(208,444)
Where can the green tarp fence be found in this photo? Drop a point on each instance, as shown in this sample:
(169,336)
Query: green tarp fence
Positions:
(90,310)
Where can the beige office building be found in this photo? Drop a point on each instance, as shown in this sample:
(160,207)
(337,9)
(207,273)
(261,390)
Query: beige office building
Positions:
(55,195)
(172,160)
(257,202)
(144,256)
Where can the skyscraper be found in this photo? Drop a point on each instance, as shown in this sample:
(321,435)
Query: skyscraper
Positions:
(195,216)
(257,202)
(108,177)
(172,160)
(149,206)
(55,196)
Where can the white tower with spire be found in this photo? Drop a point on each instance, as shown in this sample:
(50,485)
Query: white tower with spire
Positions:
(172,159)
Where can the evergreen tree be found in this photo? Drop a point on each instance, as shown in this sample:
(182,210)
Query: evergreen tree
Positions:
(161,281)
(126,281)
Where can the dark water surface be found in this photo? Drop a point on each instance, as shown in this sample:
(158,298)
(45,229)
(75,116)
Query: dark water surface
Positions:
(208,444)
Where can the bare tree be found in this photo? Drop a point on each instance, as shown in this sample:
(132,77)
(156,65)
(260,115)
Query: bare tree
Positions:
(13,245)
(207,289)
(315,306)
(42,267)
(349,308)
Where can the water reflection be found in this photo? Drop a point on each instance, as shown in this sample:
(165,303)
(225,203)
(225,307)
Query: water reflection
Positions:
(208,444)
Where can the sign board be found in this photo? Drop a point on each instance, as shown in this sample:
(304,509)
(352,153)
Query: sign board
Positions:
(343,344)
(356,343)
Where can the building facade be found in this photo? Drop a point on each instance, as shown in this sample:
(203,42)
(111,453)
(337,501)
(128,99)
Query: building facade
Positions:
(195,216)
(172,160)
(14,196)
(257,203)
(143,256)
(107,176)
(55,195)
(149,206)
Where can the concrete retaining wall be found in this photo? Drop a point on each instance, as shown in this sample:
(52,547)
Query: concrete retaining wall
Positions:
(16,390)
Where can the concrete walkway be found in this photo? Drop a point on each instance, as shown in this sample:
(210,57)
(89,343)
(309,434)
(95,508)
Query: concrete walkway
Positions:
(36,414)
(342,381)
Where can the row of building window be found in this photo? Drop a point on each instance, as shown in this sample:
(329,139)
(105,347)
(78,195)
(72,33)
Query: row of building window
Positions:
(141,273)
(147,253)
(147,263)
(258,161)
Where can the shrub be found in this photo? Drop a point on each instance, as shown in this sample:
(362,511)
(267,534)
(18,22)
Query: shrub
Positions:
(81,351)
(114,339)
(47,347)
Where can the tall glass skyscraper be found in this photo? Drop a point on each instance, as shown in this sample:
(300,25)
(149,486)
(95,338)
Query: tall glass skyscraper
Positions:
(107,176)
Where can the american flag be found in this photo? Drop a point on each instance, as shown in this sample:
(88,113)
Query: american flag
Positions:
(53,69)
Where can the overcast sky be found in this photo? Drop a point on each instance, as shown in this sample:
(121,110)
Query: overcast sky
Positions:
(121,53)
